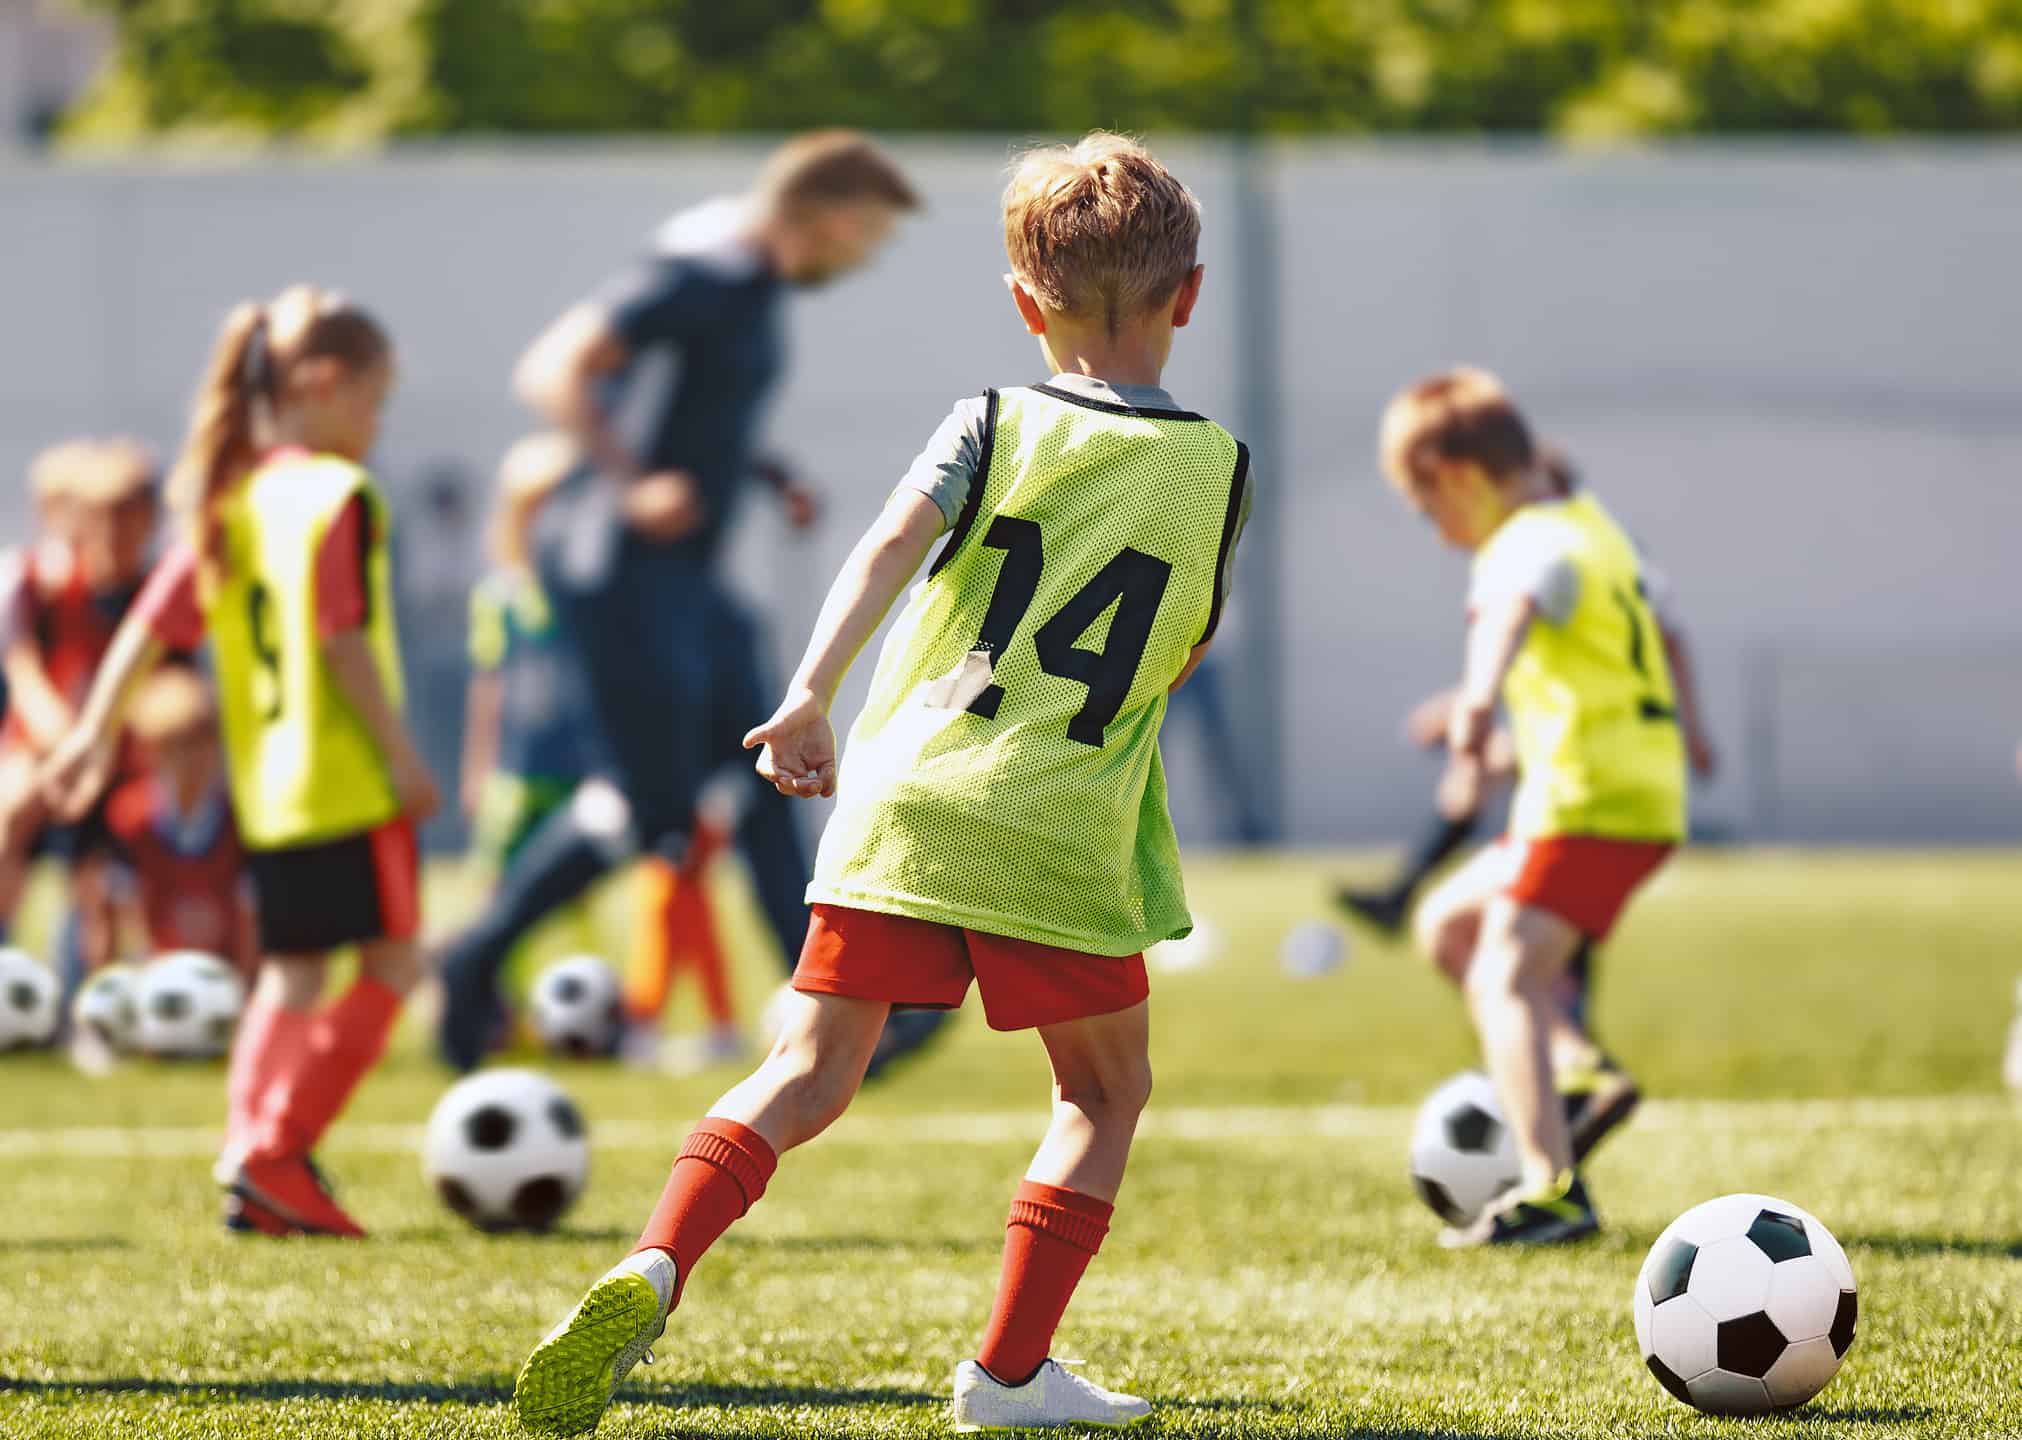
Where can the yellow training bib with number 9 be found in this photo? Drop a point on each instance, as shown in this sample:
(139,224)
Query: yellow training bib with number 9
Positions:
(1004,775)
(303,766)
(1590,699)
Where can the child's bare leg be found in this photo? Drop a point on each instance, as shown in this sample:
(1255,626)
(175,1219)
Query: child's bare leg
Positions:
(1101,1084)
(23,813)
(812,1072)
(797,1092)
(1447,923)
(1509,990)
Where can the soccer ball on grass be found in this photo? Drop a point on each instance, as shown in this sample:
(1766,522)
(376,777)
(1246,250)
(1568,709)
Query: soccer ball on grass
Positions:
(1746,1304)
(1462,1153)
(507,1150)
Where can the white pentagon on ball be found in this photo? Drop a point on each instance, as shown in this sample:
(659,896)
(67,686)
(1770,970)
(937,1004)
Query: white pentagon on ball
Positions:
(577,1007)
(187,1005)
(30,1000)
(1462,1153)
(1312,949)
(106,1010)
(507,1150)
(1745,1304)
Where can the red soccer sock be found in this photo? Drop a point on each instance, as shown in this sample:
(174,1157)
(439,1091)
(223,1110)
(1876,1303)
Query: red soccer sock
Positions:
(1048,1241)
(720,1173)
(343,1042)
(269,1037)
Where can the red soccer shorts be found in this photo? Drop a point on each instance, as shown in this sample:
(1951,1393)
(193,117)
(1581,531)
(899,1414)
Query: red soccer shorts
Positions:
(1585,880)
(904,961)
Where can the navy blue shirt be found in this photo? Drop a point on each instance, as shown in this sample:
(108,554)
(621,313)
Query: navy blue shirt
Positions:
(705,304)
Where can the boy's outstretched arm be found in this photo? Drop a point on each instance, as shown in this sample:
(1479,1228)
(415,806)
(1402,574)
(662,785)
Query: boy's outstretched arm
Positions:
(799,743)
(1494,636)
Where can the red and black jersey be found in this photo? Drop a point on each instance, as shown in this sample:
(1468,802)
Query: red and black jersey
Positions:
(189,869)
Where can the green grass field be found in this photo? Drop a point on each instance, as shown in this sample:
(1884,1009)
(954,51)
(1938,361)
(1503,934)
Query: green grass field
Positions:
(1823,1027)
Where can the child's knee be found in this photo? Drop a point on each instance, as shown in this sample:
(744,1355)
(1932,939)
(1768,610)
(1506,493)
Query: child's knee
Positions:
(1117,1090)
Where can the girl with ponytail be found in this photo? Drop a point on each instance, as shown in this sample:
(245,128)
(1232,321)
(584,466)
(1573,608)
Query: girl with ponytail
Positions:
(284,568)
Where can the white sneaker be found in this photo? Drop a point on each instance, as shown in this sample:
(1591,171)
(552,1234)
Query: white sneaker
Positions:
(567,1383)
(1053,1398)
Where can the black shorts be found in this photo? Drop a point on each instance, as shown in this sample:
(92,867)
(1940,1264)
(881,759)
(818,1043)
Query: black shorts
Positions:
(314,898)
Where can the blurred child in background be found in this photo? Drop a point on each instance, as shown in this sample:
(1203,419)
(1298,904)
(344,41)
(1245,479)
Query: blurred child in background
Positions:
(1561,633)
(173,826)
(286,567)
(97,504)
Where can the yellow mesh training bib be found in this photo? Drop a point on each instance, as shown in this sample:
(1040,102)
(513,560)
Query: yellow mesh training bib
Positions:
(1004,775)
(1590,700)
(303,766)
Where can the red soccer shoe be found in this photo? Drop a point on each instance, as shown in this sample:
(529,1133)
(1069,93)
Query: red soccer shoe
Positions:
(289,1190)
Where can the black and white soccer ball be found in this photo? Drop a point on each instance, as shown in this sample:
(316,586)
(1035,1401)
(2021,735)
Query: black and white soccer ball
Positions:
(30,1000)
(186,1006)
(507,1150)
(106,1012)
(578,1007)
(1746,1304)
(1462,1153)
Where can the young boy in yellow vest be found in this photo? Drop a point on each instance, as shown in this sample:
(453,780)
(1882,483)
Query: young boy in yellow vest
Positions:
(1560,631)
(1001,817)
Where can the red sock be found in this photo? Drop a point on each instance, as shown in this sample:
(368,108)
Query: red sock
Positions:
(721,1172)
(270,1036)
(344,1041)
(1048,1241)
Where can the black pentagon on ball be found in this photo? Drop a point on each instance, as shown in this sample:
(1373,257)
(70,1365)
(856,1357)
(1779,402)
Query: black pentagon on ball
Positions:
(1750,1345)
(538,1203)
(1434,1194)
(1668,1378)
(566,1118)
(21,995)
(569,990)
(1843,1321)
(1472,1130)
(169,1004)
(456,1197)
(1671,1271)
(1780,1236)
(490,1127)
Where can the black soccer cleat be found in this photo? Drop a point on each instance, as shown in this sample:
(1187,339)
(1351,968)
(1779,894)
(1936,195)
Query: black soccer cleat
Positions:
(1385,910)
(1558,1214)
(1597,1102)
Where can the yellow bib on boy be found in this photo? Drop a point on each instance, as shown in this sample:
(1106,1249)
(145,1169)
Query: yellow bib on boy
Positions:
(1004,775)
(303,766)
(1590,698)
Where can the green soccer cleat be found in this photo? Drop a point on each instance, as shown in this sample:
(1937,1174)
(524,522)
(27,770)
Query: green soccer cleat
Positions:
(567,1383)
(1555,1215)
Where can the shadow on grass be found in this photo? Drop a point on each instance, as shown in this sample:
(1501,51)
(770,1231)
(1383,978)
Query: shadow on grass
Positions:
(1914,1246)
(1863,1414)
(63,1244)
(397,1392)
(438,1234)
(228,1391)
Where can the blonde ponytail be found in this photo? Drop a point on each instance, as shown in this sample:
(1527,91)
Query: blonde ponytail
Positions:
(223,445)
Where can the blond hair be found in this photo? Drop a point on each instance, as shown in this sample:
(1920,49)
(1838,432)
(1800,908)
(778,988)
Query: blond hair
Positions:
(247,376)
(833,167)
(531,470)
(52,474)
(112,472)
(1100,229)
(175,701)
(1463,414)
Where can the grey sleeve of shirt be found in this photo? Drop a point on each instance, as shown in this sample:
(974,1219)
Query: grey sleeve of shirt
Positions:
(947,468)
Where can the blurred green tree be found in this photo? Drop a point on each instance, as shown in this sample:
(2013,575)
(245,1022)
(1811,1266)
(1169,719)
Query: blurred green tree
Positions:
(368,69)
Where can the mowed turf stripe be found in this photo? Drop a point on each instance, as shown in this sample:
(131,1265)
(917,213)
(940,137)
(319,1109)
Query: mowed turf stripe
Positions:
(995,1127)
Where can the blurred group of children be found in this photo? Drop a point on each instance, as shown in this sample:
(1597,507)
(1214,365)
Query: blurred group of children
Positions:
(155,865)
